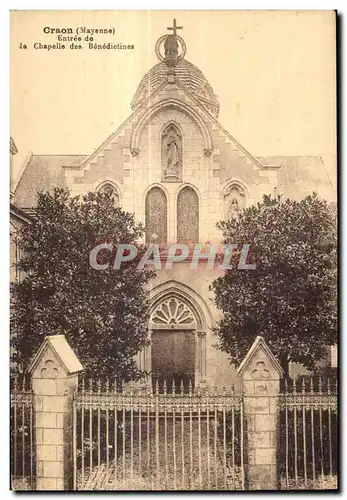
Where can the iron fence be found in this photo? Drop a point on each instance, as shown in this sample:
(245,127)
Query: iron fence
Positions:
(150,439)
(308,440)
(22,435)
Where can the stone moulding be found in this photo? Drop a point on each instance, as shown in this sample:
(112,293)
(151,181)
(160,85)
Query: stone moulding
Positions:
(161,105)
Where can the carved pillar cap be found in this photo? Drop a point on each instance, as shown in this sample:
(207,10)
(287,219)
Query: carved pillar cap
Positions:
(201,333)
(208,152)
(54,358)
(259,363)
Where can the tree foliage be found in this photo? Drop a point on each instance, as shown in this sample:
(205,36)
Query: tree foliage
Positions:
(290,298)
(102,312)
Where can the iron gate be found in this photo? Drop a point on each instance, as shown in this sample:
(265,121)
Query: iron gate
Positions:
(152,440)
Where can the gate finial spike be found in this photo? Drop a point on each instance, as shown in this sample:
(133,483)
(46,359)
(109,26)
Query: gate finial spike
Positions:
(115,385)
(91,385)
(173,387)
(83,384)
(294,386)
(190,387)
(107,385)
(99,386)
(23,383)
(156,387)
(320,385)
(15,384)
(123,386)
(303,387)
(328,385)
(165,387)
(311,384)
(182,386)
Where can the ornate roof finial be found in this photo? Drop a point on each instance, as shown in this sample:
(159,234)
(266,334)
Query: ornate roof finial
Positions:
(174,28)
(172,57)
(171,45)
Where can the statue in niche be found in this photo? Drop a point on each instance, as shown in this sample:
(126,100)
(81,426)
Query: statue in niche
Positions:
(234,208)
(172,153)
(235,202)
(110,191)
(173,156)
(107,190)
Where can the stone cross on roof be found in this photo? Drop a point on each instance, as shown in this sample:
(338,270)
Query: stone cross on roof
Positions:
(174,28)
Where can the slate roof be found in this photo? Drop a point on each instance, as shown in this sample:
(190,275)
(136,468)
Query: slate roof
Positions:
(299,176)
(42,173)
(187,73)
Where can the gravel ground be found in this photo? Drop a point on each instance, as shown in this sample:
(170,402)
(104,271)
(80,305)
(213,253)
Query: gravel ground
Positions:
(184,464)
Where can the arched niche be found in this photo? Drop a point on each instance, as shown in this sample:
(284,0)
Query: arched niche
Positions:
(109,189)
(234,200)
(171,153)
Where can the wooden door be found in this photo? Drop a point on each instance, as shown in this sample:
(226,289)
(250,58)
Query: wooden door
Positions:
(173,358)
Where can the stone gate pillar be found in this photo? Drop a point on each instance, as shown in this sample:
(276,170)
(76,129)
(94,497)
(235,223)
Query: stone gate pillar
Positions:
(54,371)
(260,375)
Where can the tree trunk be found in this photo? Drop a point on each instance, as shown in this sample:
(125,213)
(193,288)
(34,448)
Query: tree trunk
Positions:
(284,362)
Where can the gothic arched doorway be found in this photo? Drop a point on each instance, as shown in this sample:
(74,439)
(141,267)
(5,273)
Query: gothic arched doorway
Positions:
(178,323)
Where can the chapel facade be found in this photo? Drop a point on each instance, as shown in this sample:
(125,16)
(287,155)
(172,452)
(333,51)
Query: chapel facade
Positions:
(174,165)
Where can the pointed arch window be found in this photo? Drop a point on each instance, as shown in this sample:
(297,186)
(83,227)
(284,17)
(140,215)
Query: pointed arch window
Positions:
(187,216)
(156,217)
(109,190)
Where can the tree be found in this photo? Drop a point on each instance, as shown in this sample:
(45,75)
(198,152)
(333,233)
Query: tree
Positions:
(290,297)
(104,313)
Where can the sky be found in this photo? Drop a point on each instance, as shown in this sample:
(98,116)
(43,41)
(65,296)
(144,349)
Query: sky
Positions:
(273,72)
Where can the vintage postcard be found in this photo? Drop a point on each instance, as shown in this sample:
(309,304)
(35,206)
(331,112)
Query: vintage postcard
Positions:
(173,274)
